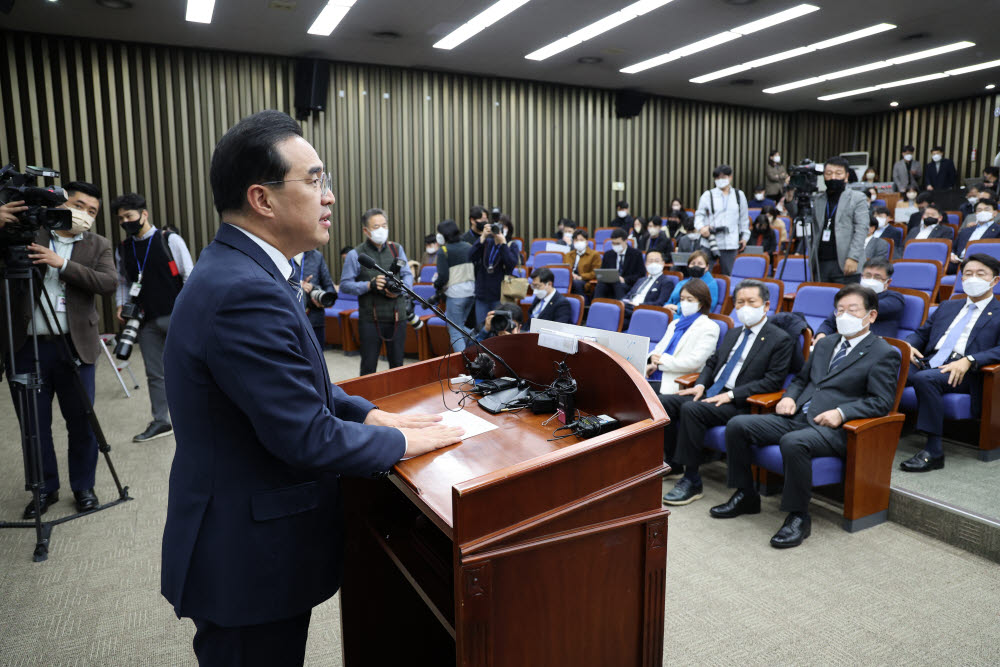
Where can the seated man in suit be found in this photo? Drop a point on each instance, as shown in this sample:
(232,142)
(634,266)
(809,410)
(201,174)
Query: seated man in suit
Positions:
(874,246)
(753,359)
(653,290)
(923,200)
(985,227)
(961,336)
(968,207)
(851,375)
(930,226)
(876,276)
(629,263)
(549,304)
(656,239)
(885,230)
(582,260)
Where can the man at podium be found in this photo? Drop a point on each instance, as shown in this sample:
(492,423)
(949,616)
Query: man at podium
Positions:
(254,533)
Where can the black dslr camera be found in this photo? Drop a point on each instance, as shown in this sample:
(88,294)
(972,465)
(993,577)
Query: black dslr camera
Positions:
(411,316)
(132,314)
(15,237)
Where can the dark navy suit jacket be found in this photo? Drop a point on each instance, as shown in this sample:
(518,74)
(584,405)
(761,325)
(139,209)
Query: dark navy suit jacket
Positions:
(633,265)
(983,343)
(992,232)
(557,310)
(254,530)
(890,311)
(657,295)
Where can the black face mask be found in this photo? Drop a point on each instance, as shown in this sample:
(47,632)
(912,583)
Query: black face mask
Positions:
(931,221)
(835,185)
(696,271)
(132,227)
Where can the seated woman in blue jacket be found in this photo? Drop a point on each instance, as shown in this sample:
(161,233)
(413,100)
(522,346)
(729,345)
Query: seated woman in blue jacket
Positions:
(697,265)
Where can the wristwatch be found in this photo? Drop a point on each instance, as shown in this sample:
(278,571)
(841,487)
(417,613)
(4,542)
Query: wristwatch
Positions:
(972,359)
(731,395)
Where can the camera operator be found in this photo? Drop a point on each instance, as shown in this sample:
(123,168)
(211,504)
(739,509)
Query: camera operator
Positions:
(381,312)
(310,269)
(506,319)
(76,265)
(493,259)
(152,268)
(839,225)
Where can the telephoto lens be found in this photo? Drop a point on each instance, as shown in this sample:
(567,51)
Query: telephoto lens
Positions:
(132,315)
(413,319)
(324,298)
(500,322)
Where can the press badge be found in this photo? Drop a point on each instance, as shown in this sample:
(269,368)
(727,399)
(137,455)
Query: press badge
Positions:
(61,303)
(826,234)
(136,288)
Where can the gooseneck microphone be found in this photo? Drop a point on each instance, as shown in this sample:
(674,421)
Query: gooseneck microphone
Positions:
(399,286)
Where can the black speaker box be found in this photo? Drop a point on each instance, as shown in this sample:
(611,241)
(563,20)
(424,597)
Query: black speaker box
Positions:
(312,79)
(629,103)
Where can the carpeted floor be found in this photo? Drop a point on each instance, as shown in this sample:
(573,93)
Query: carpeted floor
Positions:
(886,595)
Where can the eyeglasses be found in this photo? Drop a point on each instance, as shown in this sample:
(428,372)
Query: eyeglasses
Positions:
(322,182)
(857,311)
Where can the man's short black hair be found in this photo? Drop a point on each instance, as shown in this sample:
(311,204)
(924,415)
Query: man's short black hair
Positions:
(868,295)
(248,154)
(132,201)
(430,238)
(925,198)
(544,275)
(750,283)
(939,149)
(934,206)
(450,231)
(759,188)
(346,249)
(992,171)
(884,210)
(879,263)
(83,188)
(371,213)
(476,212)
(512,309)
(908,148)
(622,204)
(656,220)
(837,161)
(619,233)
(722,170)
(991,262)
(581,232)
(989,201)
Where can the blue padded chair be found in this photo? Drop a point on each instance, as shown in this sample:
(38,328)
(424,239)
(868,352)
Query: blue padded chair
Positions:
(426,291)
(953,218)
(517,245)
(754,212)
(575,308)
(601,235)
(561,279)
(986,246)
(650,321)
(938,250)
(607,314)
(795,273)
(749,266)
(538,245)
(776,292)
(879,202)
(545,259)
(867,469)
(815,302)
(427,273)
(921,275)
(915,305)
(519,273)
(722,287)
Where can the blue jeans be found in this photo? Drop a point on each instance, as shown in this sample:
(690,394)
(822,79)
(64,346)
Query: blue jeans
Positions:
(457,311)
(483,309)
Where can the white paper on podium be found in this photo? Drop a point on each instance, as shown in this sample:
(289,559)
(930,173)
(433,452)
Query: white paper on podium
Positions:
(473,424)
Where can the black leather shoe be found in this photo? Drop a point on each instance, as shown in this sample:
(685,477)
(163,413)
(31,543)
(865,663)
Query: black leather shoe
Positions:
(740,503)
(86,500)
(684,492)
(154,431)
(676,470)
(922,462)
(45,501)
(796,529)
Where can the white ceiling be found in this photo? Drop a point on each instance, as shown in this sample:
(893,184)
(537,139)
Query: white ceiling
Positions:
(254,26)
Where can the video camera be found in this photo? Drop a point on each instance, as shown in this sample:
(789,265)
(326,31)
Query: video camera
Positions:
(804,177)
(41,211)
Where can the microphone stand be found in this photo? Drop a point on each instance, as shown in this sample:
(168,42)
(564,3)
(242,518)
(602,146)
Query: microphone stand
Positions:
(398,285)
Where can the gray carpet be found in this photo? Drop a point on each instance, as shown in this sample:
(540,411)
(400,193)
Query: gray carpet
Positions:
(883,596)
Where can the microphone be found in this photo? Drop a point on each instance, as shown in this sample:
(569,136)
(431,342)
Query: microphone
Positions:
(399,285)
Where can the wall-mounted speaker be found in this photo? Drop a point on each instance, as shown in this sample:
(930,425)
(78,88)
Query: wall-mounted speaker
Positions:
(312,79)
(629,103)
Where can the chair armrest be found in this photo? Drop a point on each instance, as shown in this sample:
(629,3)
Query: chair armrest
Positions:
(859,426)
(765,400)
(990,370)
(687,381)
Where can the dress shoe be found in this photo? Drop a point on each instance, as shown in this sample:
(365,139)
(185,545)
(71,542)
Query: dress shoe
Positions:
(86,500)
(922,462)
(45,500)
(740,503)
(676,470)
(684,492)
(154,431)
(796,528)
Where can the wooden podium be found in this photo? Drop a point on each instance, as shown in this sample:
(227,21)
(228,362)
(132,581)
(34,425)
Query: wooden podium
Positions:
(509,549)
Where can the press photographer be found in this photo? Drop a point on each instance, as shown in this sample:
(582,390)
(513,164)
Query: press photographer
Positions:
(505,320)
(152,268)
(310,269)
(74,265)
(382,313)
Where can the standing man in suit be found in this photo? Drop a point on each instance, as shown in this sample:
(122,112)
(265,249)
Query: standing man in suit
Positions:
(962,336)
(906,173)
(851,375)
(986,227)
(886,231)
(549,304)
(582,260)
(839,225)
(876,275)
(254,534)
(627,260)
(74,266)
(753,359)
(723,214)
(930,226)
(940,173)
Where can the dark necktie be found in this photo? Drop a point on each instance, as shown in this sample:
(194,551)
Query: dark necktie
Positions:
(720,384)
(845,347)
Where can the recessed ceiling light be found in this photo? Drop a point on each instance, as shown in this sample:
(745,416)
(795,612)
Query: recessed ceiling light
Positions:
(596,28)
(894,104)
(929,53)
(330,17)
(990,86)
(200,11)
(722,38)
(115,4)
(480,22)
(912,80)
(792,53)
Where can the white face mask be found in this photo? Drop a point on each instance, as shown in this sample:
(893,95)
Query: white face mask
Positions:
(431,250)
(984,216)
(689,308)
(750,315)
(848,325)
(82,221)
(380,235)
(776,159)
(972,200)
(721,182)
(874,197)
(541,292)
(874,284)
(654,268)
(911,195)
(622,214)
(440,239)
(759,196)
(567,238)
(654,231)
(620,249)
(936,157)
(676,207)
(908,157)
(975,287)
(580,246)
(869,177)
(882,221)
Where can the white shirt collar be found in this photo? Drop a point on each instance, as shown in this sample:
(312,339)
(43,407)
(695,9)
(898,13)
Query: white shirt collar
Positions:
(755,329)
(853,342)
(975,304)
(279,259)
(62,239)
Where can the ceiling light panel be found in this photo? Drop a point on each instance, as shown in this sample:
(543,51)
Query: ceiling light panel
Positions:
(793,53)
(722,38)
(929,53)
(199,11)
(480,22)
(912,80)
(330,17)
(607,23)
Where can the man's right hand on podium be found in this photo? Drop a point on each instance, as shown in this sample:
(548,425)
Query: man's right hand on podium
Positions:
(427,439)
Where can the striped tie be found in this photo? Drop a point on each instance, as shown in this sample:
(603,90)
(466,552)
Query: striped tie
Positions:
(841,353)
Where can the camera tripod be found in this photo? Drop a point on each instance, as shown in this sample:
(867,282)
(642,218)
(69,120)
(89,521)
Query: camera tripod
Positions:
(27,386)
